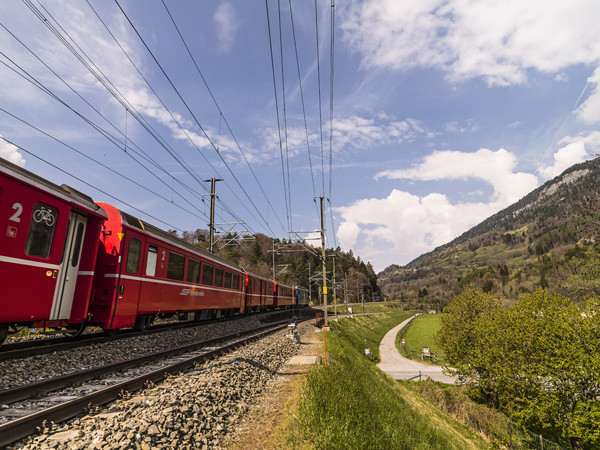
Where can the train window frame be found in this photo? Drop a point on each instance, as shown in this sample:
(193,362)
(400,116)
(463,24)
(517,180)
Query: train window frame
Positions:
(42,227)
(218,282)
(175,266)
(133,255)
(227,280)
(206,269)
(235,280)
(78,242)
(151,260)
(190,271)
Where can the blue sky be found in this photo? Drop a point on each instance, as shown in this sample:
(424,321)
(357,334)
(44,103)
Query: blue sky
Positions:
(444,111)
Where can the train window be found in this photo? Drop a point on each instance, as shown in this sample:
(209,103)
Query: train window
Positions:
(227,280)
(151,259)
(77,248)
(236,282)
(193,272)
(175,266)
(207,274)
(41,230)
(218,277)
(133,255)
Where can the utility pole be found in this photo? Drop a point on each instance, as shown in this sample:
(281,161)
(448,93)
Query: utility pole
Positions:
(323,262)
(273,259)
(211,225)
(333,284)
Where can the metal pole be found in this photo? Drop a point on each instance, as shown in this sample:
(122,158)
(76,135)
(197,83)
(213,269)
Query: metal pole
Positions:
(333,284)
(211,225)
(323,262)
(273,259)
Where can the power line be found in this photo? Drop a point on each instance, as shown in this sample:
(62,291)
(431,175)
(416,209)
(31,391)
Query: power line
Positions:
(89,184)
(167,109)
(331,91)
(192,114)
(101,164)
(113,90)
(319,90)
(302,99)
(287,155)
(277,111)
(221,115)
(31,79)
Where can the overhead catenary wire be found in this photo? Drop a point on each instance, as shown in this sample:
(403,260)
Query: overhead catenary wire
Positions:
(112,89)
(110,169)
(119,144)
(319,95)
(283,95)
(331,92)
(221,114)
(194,116)
(31,79)
(173,117)
(89,184)
(277,112)
(109,86)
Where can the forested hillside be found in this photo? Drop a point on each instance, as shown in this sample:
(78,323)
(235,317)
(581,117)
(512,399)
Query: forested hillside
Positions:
(550,238)
(295,263)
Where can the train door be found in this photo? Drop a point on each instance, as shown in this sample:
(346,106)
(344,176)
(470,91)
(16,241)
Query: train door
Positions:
(69,267)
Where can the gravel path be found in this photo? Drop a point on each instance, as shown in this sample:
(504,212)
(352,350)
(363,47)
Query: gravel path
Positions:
(401,368)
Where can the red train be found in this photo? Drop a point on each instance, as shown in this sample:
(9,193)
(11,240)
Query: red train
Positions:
(66,261)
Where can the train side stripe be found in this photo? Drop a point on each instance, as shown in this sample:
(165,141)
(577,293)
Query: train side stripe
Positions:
(171,283)
(26,262)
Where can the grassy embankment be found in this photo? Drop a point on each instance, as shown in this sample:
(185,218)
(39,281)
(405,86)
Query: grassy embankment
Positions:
(368,307)
(349,403)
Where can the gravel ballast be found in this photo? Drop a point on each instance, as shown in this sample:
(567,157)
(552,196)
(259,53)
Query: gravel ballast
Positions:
(193,410)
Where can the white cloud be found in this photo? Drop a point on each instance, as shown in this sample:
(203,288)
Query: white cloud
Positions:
(495,168)
(591,141)
(226,24)
(495,40)
(564,158)
(407,225)
(589,111)
(11,153)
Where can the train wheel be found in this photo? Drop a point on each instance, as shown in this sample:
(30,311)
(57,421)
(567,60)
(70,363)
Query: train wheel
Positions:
(3,332)
(142,322)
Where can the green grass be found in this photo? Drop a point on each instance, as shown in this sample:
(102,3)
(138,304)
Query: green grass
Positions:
(368,331)
(349,403)
(421,332)
(368,307)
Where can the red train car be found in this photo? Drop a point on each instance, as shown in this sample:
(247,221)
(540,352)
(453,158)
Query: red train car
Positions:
(142,271)
(66,261)
(48,242)
(284,296)
(259,293)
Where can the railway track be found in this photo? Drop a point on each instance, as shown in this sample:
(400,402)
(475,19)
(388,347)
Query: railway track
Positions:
(100,385)
(24,349)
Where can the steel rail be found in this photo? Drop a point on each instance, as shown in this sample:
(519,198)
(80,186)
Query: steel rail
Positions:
(19,350)
(19,428)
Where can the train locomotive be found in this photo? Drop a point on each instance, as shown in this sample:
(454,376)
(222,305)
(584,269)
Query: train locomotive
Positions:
(67,261)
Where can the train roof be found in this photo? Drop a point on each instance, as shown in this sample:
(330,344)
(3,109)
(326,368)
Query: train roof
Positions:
(147,228)
(63,192)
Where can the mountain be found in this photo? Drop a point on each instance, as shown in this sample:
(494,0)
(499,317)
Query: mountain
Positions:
(548,239)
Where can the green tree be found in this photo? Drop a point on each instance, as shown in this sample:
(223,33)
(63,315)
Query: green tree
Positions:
(460,331)
(538,360)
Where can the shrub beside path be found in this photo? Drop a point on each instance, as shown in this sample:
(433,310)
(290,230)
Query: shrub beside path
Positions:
(401,368)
